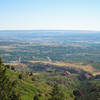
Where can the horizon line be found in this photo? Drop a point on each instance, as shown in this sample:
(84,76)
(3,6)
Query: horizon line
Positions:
(47,30)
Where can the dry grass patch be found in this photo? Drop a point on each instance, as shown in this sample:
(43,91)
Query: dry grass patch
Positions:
(7,47)
(87,68)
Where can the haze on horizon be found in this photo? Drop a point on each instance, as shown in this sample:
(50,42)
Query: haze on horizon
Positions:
(50,14)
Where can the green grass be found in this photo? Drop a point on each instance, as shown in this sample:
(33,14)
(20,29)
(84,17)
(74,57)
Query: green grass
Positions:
(28,88)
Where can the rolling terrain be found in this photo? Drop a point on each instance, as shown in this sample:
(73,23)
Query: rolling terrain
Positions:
(39,59)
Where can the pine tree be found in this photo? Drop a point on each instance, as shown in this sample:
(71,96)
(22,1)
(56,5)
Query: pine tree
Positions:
(36,97)
(57,93)
(0,61)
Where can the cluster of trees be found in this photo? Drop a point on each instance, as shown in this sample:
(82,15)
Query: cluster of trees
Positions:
(56,94)
(7,91)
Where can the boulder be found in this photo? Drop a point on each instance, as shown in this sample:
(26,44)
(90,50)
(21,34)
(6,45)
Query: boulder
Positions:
(85,76)
(77,93)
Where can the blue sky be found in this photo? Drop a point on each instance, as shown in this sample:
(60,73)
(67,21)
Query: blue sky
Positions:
(50,14)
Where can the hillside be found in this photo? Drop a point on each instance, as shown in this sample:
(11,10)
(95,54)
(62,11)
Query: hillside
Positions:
(28,86)
(76,84)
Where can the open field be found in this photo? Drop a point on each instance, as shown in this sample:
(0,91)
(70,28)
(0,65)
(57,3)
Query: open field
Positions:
(87,68)
(53,47)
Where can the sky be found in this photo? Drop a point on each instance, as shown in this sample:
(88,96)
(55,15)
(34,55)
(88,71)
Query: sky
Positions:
(50,14)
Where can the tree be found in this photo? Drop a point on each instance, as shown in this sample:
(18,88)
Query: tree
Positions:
(20,76)
(36,97)
(57,93)
(0,61)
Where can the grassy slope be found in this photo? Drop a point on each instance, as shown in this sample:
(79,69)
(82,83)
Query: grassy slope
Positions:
(28,88)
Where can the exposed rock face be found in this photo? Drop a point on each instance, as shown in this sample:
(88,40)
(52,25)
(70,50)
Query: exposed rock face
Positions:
(67,73)
(77,93)
(85,76)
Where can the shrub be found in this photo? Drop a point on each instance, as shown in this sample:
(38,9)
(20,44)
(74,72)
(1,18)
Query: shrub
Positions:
(20,76)
(7,66)
(12,68)
(36,97)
